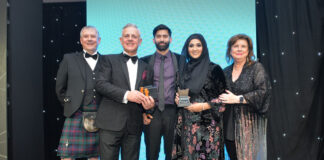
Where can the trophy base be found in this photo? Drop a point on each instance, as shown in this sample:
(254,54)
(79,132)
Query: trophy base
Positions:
(184,101)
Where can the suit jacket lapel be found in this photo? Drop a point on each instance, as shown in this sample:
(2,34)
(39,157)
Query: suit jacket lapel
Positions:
(140,70)
(98,62)
(123,62)
(151,61)
(175,62)
(80,61)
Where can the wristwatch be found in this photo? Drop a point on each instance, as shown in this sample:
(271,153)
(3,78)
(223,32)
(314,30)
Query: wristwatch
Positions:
(241,99)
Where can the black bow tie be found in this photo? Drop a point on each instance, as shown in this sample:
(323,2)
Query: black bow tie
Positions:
(87,55)
(134,58)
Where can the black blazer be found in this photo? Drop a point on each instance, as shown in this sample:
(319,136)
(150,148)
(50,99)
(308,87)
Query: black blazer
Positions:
(71,81)
(112,83)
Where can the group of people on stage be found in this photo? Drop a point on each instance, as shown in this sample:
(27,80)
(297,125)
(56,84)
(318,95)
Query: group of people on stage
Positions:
(227,106)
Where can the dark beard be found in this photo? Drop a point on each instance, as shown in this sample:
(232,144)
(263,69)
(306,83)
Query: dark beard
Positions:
(162,48)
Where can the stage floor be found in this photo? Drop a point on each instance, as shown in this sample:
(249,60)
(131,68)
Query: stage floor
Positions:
(161,156)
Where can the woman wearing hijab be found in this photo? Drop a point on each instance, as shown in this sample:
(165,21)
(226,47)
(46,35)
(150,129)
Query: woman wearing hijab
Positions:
(248,99)
(199,131)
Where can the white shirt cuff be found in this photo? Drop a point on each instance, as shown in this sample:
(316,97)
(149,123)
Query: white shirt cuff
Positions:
(125,97)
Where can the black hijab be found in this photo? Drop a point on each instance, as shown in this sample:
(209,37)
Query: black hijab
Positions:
(194,71)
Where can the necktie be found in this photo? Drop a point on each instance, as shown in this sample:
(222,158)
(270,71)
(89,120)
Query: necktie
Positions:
(134,58)
(87,55)
(161,85)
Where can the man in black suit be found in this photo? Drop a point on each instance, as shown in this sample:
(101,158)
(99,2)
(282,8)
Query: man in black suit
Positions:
(75,83)
(160,121)
(120,113)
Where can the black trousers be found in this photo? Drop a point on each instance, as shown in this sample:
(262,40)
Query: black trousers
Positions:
(110,142)
(162,124)
(231,149)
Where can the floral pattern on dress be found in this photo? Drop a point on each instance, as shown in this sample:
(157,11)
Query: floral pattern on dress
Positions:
(199,135)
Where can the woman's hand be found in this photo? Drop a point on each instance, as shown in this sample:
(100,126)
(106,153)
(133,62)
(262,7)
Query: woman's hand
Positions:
(176,100)
(197,107)
(229,98)
(222,108)
(217,100)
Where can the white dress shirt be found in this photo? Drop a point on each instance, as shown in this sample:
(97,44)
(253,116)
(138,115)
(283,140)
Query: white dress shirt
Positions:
(91,62)
(132,74)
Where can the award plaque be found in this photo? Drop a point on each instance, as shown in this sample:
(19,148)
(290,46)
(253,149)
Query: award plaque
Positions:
(183,98)
(149,91)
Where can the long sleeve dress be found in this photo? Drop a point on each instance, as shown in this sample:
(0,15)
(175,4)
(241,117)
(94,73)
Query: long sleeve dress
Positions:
(199,135)
(247,123)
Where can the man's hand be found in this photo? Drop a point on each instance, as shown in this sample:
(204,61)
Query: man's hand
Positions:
(148,103)
(135,96)
(146,119)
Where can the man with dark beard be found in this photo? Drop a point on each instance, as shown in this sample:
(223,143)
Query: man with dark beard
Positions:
(160,121)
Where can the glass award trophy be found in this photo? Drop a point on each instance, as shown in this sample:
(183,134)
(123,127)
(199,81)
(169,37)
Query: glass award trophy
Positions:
(184,98)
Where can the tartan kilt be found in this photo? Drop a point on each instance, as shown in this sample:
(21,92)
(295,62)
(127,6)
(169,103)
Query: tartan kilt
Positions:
(75,141)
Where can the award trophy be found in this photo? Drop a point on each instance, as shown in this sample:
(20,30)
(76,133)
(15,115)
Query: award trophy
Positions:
(184,98)
(149,91)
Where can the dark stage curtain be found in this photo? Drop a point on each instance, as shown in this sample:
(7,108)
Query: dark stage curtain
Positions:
(25,132)
(290,45)
(62,23)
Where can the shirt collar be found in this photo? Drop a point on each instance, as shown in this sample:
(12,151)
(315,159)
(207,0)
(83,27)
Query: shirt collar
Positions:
(167,55)
(124,52)
(96,52)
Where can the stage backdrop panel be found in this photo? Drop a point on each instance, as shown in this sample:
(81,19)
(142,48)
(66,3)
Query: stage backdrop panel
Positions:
(216,20)
(3,81)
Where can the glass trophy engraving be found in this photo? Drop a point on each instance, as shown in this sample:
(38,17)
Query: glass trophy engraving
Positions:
(184,98)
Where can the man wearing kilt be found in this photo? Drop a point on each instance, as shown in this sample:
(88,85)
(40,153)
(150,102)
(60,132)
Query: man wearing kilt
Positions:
(75,83)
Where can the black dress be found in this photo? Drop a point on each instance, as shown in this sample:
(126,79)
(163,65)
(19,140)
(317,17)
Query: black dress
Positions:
(199,135)
(247,123)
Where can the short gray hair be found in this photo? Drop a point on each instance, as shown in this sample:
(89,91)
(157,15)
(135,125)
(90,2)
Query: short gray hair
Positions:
(132,25)
(89,27)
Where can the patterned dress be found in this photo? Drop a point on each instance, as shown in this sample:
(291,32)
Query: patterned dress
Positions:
(247,123)
(199,135)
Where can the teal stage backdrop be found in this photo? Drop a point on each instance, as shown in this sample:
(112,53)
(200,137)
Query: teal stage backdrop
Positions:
(216,20)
